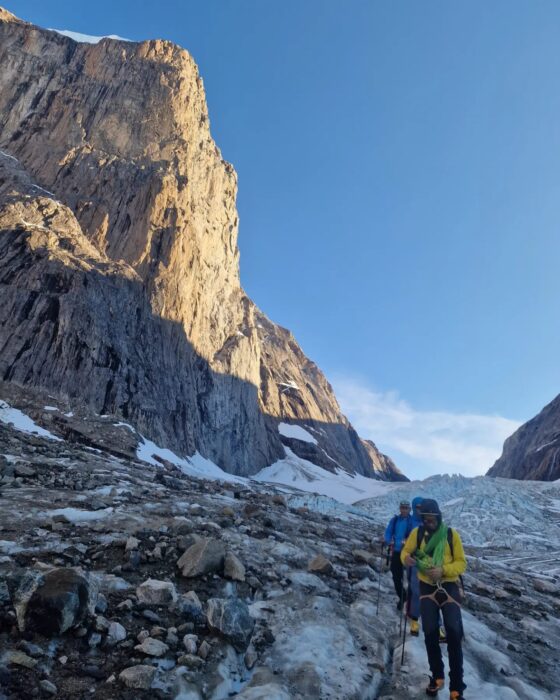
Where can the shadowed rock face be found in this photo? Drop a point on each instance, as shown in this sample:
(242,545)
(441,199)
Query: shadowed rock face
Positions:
(119,266)
(533,451)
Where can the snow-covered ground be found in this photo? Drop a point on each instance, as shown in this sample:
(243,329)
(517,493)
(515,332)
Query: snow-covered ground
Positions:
(298,473)
(489,672)
(18,420)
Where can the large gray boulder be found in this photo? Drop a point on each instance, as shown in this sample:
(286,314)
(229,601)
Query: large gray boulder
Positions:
(51,603)
(230,617)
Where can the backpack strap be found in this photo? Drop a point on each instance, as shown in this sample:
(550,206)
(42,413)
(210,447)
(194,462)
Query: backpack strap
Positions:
(450,540)
(419,536)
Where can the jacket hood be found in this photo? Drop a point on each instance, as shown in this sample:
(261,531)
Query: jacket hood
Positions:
(416,519)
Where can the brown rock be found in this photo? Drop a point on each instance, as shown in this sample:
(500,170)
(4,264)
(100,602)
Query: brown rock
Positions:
(203,557)
(320,565)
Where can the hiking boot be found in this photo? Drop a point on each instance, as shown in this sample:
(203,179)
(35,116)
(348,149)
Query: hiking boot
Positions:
(456,695)
(414,628)
(434,686)
(442,635)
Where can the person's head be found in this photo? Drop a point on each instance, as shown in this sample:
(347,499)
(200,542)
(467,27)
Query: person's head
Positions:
(416,505)
(404,508)
(431,514)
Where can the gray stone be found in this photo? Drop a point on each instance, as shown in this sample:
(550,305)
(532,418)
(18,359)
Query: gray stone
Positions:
(18,658)
(190,641)
(231,618)
(154,592)
(139,677)
(53,602)
(116,633)
(233,567)
(152,647)
(48,687)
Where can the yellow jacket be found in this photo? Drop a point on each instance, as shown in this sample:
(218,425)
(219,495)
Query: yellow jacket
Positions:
(453,566)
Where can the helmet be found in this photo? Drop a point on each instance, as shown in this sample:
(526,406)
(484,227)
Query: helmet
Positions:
(430,507)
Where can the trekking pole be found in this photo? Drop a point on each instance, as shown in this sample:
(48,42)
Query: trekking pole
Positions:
(403,641)
(401,611)
(379,582)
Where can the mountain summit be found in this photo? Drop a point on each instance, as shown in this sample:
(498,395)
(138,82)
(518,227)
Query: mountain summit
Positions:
(119,265)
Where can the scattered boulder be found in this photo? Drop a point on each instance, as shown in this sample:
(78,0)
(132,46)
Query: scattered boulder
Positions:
(154,592)
(53,602)
(131,544)
(190,641)
(544,586)
(233,567)
(18,658)
(116,632)
(152,647)
(203,557)
(230,617)
(48,687)
(362,555)
(139,677)
(190,608)
(320,565)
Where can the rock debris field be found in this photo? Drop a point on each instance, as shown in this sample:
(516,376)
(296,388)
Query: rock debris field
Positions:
(120,579)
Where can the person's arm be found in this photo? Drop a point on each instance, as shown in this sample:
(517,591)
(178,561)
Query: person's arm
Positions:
(459,563)
(409,548)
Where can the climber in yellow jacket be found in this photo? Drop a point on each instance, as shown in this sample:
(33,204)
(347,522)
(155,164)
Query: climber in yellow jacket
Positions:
(437,552)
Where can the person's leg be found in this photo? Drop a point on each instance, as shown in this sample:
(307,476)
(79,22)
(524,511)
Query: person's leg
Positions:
(397,572)
(453,622)
(429,612)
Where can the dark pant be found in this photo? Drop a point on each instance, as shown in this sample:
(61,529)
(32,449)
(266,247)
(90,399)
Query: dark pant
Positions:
(453,622)
(397,572)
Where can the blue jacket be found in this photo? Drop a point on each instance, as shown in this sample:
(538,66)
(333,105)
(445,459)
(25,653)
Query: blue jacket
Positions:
(398,530)
(416,521)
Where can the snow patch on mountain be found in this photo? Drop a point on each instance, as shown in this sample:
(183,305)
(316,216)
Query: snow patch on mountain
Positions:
(87,38)
(197,465)
(296,432)
(298,473)
(18,420)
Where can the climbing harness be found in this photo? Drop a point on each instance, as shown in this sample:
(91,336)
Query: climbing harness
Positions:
(440,596)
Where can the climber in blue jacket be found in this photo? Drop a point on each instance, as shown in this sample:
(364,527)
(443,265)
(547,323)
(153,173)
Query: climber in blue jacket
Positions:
(398,529)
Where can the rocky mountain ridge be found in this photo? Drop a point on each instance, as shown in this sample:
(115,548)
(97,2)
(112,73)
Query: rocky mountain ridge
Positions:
(533,451)
(119,266)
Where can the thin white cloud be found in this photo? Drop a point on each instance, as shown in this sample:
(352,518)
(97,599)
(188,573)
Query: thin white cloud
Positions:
(436,440)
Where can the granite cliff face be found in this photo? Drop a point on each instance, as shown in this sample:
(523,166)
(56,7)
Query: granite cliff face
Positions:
(119,266)
(533,451)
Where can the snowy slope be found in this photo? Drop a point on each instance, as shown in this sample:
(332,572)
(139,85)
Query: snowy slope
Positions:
(298,473)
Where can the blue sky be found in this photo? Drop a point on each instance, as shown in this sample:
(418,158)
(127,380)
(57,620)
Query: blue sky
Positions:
(399,177)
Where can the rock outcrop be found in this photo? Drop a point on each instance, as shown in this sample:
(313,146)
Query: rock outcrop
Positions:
(533,451)
(119,266)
